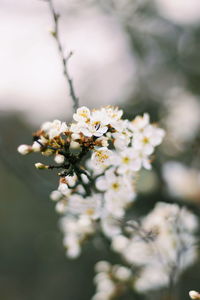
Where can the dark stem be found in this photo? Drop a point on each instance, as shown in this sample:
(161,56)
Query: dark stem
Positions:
(49,147)
(84,185)
(64,59)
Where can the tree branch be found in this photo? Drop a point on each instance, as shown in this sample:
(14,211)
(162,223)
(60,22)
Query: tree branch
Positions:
(56,35)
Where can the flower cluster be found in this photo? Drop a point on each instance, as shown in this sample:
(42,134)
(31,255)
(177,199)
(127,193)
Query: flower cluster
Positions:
(161,245)
(76,231)
(98,157)
(156,249)
(111,280)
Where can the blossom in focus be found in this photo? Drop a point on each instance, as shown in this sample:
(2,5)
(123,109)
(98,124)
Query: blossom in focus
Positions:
(101,157)
(82,114)
(55,128)
(118,192)
(128,161)
(147,139)
(97,157)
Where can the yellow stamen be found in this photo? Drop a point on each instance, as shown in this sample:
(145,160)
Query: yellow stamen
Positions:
(126,160)
(145,140)
(90,211)
(115,186)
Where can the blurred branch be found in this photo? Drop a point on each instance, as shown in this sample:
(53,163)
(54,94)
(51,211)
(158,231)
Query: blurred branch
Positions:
(55,33)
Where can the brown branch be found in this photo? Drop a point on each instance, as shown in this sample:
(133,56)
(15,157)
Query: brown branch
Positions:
(55,33)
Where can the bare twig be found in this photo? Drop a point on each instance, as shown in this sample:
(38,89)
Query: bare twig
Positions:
(56,35)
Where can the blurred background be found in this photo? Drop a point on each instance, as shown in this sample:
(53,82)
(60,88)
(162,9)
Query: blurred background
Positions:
(143,55)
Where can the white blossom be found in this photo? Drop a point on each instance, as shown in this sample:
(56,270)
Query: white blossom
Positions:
(64,189)
(55,195)
(82,114)
(128,161)
(54,128)
(110,225)
(182,181)
(71,180)
(101,158)
(98,155)
(139,123)
(121,139)
(61,206)
(90,206)
(102,266)
(109,279)
(122,273)
(114,114)
(119,243)
(151,278)
(94,128)
(115,186)
(182,119)
(147,139)
(164,238)
(75,230)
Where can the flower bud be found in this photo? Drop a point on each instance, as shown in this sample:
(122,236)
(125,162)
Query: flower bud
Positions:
(194,295)
(55,195)
(59,159)
(36,147)
(102,266)
(24,149)
(40,166)
(74,145)
(61,207)
(76,136)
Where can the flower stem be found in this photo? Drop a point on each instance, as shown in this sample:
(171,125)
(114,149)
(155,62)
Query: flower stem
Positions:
(56,35)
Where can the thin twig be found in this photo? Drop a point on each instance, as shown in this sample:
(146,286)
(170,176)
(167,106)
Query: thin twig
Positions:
(64,59)
(147,237)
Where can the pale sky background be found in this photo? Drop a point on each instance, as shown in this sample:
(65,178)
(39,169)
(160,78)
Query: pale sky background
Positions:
(103,67)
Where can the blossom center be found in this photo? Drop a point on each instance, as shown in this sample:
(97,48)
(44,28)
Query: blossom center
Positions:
(126,160)
(145,140)
(90,211)
(84,114)
(102,156)
(115,186)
